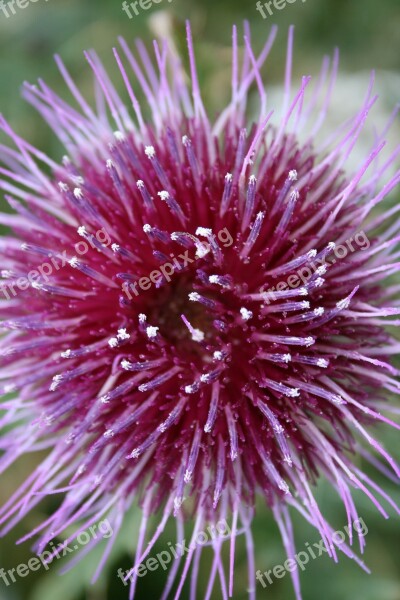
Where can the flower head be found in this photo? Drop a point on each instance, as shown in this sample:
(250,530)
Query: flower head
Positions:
(194,312)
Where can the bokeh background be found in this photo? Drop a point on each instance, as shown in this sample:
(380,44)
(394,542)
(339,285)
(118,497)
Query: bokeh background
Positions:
(368,35)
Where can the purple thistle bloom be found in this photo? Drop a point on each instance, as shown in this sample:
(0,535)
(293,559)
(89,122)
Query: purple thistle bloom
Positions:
(193,309)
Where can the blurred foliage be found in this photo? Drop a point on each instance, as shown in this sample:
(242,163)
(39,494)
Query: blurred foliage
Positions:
(367,34)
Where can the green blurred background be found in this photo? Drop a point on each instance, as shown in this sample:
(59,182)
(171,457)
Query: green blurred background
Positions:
(368,35)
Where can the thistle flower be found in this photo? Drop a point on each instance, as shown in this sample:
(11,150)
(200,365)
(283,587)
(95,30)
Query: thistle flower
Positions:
(181,326)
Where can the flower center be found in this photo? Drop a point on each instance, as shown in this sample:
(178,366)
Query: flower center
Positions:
(182,320)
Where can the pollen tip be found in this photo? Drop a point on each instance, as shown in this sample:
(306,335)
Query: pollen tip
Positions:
(322,362)
(343,304)
(197,335)
(123,334)
(150,151)
(246,314)
(203,231)
(151,331)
